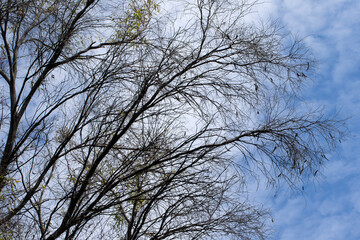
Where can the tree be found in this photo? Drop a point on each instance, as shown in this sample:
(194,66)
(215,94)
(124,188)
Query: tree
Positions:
(121,121)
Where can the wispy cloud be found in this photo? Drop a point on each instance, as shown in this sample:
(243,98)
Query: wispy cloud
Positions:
(330,208)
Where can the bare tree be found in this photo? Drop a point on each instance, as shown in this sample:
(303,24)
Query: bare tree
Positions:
(119,120)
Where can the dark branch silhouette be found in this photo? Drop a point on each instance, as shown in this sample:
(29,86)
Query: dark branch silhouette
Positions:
(120,121)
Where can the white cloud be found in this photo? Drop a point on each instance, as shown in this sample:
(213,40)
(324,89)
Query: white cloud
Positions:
(325,217)
(332,30)
(331,27)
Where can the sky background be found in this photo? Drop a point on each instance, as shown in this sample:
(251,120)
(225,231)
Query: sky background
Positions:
(329,209)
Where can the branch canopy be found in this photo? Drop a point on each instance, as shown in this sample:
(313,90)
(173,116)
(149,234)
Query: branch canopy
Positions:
(144,119)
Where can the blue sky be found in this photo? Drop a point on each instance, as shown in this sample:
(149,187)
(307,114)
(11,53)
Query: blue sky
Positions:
(329,208)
